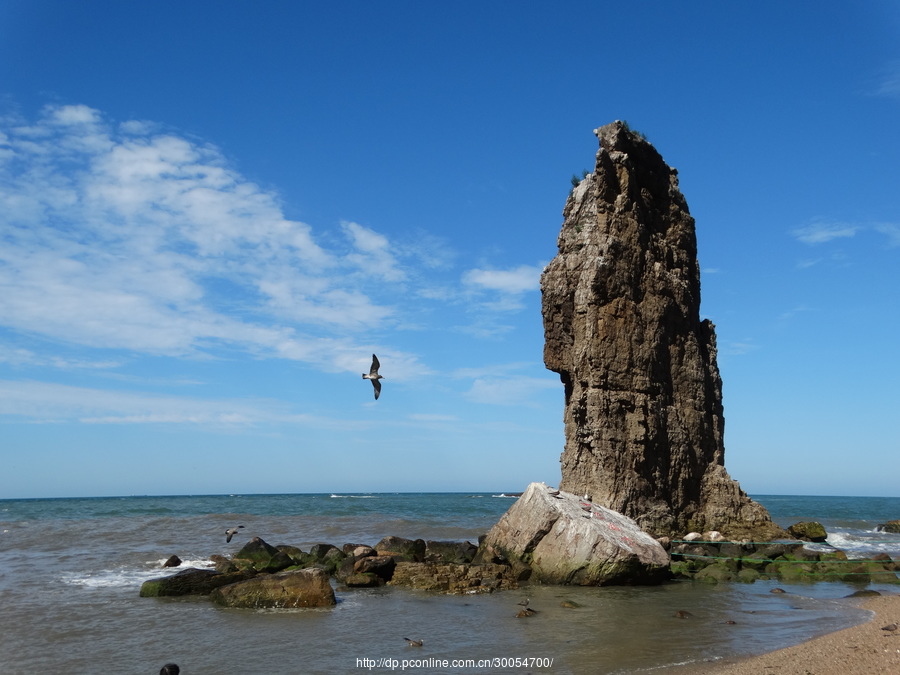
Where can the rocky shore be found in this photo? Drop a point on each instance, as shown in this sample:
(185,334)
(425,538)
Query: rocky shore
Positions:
(264,576)
(547,536)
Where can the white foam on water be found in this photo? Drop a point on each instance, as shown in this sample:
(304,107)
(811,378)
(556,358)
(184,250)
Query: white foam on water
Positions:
(865,543)
(128,577)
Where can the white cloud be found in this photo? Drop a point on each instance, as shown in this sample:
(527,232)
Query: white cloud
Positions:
(515,391)
(517,280)
(891,231)
(889,84)
(46,403)
(121,236)
(372,252)
(819,233)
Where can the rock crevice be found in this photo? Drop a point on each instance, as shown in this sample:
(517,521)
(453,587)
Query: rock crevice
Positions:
(643,396)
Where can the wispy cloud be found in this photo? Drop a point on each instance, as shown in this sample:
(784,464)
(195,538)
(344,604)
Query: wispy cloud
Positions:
(513,281)
(820,232)
(46,403)
(514,390)
(132,237)
(891,231)
(889,82)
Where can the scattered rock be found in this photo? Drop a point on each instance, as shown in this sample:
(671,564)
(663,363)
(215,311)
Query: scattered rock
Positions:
(865,593)
(259,556)
(172,561)
(402,549)
(450,551)
(892,526)
(382,566)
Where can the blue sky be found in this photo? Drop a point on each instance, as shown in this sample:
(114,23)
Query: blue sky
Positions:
(212,214)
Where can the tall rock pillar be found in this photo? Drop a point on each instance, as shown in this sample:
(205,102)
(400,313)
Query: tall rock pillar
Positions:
(643,396)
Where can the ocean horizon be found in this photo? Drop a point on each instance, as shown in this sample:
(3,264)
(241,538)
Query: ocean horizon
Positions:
(71,570)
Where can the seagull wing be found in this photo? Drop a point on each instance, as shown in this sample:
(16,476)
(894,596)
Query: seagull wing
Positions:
(377,385)
(375,365)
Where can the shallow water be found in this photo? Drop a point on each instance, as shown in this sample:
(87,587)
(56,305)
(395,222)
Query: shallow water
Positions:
(70,572)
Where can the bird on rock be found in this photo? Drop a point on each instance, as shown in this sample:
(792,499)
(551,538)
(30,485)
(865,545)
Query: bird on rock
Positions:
(374,376)
(231,531)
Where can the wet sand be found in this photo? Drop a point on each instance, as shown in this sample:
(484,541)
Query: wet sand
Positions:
(865,648)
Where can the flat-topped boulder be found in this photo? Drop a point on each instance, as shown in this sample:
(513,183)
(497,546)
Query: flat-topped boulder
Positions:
(290,589)
(564,539)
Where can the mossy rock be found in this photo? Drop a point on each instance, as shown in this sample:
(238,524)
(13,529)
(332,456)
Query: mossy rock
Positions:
(748,576)
(364,580)
(797,572)
(682,569)
(256,554)
(716,573)
(892,526)
(808,531)
(189,582)
(295,553)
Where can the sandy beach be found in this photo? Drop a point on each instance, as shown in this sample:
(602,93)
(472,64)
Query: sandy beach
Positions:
(865,648)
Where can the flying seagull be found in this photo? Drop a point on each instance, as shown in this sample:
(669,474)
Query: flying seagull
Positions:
(374,376)
(231,531)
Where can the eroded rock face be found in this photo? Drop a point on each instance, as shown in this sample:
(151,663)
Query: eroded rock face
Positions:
(643,396)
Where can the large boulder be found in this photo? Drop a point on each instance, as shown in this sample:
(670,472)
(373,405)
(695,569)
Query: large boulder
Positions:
(565,540)
(892,526)
(284,590)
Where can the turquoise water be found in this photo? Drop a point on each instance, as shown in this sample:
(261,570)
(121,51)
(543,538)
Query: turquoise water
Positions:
(71,569)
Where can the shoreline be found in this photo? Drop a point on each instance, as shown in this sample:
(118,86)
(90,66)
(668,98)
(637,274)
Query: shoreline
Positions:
(863,648)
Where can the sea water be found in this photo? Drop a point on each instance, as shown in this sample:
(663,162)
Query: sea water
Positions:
(71,571)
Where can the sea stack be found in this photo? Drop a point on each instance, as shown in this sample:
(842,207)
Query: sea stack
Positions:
(643,396)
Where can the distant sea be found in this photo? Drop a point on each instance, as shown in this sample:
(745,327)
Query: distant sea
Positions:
(71,570)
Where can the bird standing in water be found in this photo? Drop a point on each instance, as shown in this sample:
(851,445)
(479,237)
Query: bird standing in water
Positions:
(374,376)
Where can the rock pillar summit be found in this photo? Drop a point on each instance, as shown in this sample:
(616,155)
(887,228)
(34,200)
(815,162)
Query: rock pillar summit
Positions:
(643,396)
